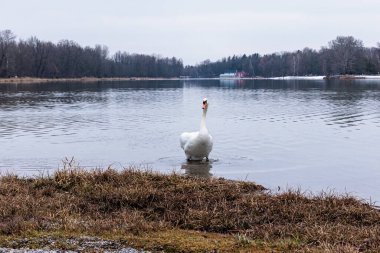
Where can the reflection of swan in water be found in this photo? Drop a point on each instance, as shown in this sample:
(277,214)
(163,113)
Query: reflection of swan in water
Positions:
(197,169)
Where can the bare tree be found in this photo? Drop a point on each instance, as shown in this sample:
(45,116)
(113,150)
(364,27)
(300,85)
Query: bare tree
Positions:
(7,38)
(346,52)
(378,57)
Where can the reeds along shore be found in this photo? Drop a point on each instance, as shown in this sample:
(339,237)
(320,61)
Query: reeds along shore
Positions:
(183,214)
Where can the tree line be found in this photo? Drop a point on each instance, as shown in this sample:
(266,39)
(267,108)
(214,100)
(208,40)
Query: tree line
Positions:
(342,56)
(67,59)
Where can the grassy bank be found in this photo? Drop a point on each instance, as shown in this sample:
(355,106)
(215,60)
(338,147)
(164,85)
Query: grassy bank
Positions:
(179,214)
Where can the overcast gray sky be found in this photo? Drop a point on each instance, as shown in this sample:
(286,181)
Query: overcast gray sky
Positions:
(194,30)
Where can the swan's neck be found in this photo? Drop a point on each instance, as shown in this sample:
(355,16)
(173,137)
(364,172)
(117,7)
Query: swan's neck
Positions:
(203,120)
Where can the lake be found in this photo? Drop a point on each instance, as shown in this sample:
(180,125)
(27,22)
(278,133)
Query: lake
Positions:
(312,134)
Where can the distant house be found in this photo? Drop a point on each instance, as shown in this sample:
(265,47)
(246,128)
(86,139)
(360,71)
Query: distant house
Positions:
(227,75)
(236,74)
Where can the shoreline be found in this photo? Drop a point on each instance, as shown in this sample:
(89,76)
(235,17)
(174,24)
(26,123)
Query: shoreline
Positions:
(157,212)
(31,80)
(26,80)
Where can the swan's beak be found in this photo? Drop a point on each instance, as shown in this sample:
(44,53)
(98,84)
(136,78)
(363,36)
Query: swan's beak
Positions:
(204,104)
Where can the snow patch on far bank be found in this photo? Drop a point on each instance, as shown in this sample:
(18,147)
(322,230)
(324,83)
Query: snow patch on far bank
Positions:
(368,77)
(297,78)
(372,77)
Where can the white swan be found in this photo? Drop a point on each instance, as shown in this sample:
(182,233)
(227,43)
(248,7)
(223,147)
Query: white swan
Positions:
(197,145)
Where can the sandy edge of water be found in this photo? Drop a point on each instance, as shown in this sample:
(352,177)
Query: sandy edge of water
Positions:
(17,80)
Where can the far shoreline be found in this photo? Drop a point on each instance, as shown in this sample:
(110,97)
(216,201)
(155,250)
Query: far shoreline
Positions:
(32,80)
(26,80)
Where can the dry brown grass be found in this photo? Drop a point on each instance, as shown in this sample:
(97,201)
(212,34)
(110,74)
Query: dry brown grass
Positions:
(140,204)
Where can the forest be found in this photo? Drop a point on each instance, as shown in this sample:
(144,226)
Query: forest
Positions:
(343,55)
(67,59)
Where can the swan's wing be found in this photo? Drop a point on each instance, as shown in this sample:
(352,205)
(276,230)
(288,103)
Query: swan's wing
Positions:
(183,139)
(186,137)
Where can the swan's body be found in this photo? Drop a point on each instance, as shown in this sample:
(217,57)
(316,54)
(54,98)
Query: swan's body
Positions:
(197,145)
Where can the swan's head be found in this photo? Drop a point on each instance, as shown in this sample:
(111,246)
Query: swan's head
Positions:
(205,104)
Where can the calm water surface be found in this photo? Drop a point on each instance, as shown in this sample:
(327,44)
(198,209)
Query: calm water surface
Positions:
(316,135)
